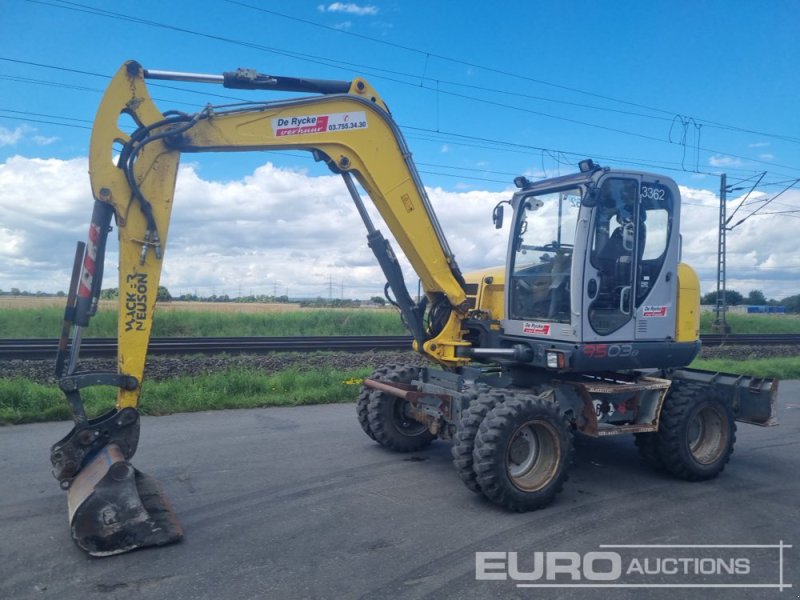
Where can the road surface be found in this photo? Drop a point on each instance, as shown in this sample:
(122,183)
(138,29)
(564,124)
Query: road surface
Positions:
(298,503)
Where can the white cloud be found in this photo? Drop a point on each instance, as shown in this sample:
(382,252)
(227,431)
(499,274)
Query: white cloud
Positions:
(22,133)
(279,228)
(766,156)
(759,145)
(41,140)
(344,25)
(349,8)
(10,138)
(724,161)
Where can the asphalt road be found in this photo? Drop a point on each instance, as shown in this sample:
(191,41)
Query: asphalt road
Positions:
(298,503)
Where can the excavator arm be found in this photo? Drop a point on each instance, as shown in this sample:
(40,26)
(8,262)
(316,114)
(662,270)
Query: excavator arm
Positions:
(133,176)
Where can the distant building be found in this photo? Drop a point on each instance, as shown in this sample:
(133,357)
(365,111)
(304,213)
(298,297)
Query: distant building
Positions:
(741,309)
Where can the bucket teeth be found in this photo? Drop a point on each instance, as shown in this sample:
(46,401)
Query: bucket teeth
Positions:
(115,508)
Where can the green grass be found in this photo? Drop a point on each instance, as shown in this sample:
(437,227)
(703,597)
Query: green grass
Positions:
(754,323)
(46,322)
(23,401)
(786,367)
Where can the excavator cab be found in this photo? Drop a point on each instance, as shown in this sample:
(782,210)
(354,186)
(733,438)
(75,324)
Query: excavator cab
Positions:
(593,271)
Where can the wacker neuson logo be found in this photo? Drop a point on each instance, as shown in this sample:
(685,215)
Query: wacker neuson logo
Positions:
(641,566)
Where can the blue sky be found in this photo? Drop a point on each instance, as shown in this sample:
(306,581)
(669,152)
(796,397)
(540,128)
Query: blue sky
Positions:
(482,92)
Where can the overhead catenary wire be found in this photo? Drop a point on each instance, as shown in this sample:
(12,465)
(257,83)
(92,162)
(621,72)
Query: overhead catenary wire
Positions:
(323,60)
(670,114)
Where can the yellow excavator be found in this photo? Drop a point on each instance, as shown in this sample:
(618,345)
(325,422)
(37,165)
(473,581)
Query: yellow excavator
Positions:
(587,329)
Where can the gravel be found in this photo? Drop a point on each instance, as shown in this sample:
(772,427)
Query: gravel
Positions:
(163,367)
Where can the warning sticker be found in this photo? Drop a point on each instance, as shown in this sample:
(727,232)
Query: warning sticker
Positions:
(536,328)
(654,311)
(305,124)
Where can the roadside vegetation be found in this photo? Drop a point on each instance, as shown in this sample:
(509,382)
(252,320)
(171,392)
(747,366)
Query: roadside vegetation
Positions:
(24,401)
(783,367)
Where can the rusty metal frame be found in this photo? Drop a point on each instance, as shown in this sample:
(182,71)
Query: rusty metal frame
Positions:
(585,387)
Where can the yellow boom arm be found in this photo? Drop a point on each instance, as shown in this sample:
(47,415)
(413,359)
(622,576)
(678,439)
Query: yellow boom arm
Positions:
(352,131)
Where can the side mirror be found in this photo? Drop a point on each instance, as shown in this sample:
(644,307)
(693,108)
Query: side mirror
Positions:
(497,216)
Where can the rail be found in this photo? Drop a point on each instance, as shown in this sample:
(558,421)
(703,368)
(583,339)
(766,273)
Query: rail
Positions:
(43,348)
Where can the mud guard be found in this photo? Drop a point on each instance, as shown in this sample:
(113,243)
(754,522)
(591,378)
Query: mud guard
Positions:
(753,399)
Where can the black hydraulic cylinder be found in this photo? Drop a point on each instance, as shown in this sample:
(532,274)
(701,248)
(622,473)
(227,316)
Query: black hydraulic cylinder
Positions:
(249,79)
(394,276)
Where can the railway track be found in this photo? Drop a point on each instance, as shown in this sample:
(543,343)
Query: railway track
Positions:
(38,349)
(41,348)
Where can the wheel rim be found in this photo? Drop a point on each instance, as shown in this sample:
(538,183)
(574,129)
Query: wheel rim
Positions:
(404,423)
(708,434)
(532,455)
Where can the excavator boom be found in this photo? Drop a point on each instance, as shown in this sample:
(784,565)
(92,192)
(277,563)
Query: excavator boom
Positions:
(133,177)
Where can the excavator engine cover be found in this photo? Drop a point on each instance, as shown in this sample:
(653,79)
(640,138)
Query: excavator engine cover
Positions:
(114,508)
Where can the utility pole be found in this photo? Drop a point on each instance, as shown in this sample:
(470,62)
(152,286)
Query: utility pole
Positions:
(720,322)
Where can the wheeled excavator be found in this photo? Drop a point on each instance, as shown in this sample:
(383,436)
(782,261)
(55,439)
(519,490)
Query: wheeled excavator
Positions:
(587,329)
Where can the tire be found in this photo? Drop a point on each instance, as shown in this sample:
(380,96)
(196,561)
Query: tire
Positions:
(469,421)
(362,402)
(388,422)
(696,433)
(362,407)
(647,444)
(522,452)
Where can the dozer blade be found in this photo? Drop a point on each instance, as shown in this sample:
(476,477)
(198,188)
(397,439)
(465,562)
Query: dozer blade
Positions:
(114,508)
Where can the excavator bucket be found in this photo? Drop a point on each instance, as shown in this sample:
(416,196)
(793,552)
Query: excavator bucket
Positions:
(114,508)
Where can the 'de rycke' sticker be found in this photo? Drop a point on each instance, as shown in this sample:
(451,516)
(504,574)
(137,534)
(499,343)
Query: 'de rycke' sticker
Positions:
(304,124)
(536,328)
(654,311)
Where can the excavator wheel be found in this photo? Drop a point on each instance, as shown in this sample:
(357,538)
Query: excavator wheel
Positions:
(362,408)
(387,415)
(696,432)
(484,399)
(362,402)
(522,452)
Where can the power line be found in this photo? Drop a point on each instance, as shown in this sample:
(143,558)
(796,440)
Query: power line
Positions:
(429,54)
(64,4)
(27,120)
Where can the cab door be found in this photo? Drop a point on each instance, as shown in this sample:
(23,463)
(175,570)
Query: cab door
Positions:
(656,275)
(630,275)
(609,280)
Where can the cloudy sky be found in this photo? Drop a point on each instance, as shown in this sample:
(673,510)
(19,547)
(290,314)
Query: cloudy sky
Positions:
(481,94)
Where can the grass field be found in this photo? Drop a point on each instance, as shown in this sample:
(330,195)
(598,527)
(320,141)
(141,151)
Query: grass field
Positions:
(32,317)
(198,319)
(774,323)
